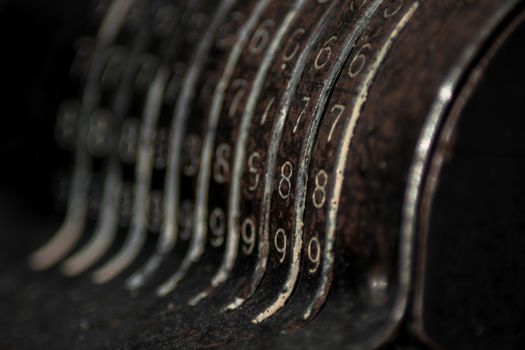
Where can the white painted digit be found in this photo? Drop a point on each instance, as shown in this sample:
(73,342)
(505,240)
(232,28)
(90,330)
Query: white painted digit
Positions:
(125,204)
(314,254)
(164,19)
(392,12)
(319,195)
(227,33)
(84,48)
(240,85)
(221,167)
(253,169)
(248,236)
(160,151)
(359,61)
(354,7)
(292,46)
(217,227)
(128,141)
(114,66)
(306,101)
(281,242)
(95,198)
(339,109)
(146,72)
(155,211)
(323,56)
(267,110)
(191,153)
(173,86)
(65,128)
(186,219)
(98,133)
(261,37)
(285,184)
(198,21)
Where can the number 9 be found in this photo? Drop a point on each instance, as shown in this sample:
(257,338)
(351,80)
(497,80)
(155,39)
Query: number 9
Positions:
(248,236)
(314,254)
(281,242)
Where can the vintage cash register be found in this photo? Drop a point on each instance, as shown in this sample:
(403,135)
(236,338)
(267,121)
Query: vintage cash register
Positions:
(262,174)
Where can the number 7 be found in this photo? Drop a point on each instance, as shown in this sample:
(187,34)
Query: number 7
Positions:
(339,109)
(306,101)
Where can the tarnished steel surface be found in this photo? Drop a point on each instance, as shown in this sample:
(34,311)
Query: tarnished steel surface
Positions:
(295,174)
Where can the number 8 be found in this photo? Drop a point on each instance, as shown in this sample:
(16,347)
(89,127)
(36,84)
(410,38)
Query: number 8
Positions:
(319,195)
(286,176)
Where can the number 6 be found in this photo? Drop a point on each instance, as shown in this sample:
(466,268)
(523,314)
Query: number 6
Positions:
(358,63)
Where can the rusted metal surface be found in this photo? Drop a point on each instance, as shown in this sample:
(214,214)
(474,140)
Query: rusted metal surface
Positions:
(269,174)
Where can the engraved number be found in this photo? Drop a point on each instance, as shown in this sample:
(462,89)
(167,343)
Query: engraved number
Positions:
(114,66)
(392,12)
(339,109)
(267,110)
(94,198)
(98,133)
(125,204)
(285,184)
(128,141)
(155,211)
(217,227)
(191,154)
(306,101)
(186,219)
(323,56)
(160,145)
(319,195)
(261,37)
(292,46)
(354,6)
(146,72)
(173,86)
(248,236)
(84,48)
(164,19)
(314,254)
(359,61)
(281,241)
(66,124)
(197,22)
(221,168)
(253,165)
(227,33)
(240,85)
